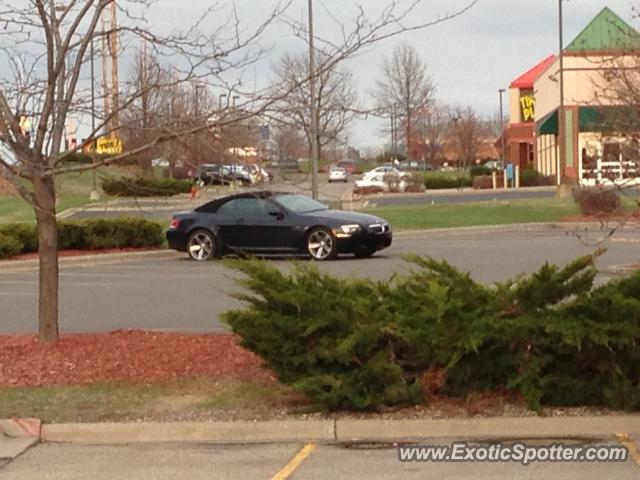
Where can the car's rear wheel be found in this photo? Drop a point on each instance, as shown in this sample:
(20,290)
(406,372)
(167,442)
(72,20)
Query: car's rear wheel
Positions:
(201,245)
(364,252)
(321,244)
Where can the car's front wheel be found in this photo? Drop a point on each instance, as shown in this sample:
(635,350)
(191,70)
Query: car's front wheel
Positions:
(201,245)
(321,244)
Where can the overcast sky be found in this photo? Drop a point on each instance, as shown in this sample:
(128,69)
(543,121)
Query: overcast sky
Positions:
(469,57)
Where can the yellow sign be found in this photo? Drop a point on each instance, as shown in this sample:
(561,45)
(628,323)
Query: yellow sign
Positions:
(528,108)
(108,146)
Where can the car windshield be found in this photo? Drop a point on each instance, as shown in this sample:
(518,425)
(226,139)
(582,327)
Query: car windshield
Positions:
(299,203)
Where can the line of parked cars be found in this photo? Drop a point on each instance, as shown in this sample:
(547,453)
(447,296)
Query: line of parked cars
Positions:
(215,174)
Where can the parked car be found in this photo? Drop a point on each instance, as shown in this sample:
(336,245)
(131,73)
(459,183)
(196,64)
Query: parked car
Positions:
(211,174)
(275,223)
(237,173)
(492,164)
(380,180)
(384,169)
(338,174)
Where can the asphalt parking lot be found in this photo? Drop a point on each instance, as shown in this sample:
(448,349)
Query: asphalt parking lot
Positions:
(170,293)
(282,461)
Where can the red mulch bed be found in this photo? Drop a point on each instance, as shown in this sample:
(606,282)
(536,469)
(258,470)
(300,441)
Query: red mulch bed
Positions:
(80,253)
(125,356)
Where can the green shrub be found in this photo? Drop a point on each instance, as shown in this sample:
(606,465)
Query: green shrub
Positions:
(532,178)
(9,246)
(597,201)
(125,232)
(77,157)
(72,236)
(145,187)
(479,171)
(432,182)
(83,235)
(550,337)
(25,233)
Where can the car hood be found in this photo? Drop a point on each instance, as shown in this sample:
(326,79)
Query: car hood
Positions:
(347,217)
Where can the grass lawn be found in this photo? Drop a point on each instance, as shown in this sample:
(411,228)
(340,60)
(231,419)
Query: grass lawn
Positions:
(14,209)
(198,398)
(73,190)
(481,213)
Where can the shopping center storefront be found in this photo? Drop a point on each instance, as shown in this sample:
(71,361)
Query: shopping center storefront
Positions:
(600,145)
(519,137)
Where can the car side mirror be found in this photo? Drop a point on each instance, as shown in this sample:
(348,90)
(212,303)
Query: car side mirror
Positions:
(278,215)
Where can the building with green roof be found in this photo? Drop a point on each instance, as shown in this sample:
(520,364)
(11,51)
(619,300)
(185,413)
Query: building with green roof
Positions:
(601,71)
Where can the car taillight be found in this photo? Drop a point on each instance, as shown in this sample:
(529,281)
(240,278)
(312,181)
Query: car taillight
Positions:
(175,224)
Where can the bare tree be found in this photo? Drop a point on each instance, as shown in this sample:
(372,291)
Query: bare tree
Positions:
(291,143)
(431,127)
(466,134)
(404,88)
(52,42)
(336,99)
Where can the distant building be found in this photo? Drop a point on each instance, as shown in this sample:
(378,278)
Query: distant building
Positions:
(595,143)
(519,135)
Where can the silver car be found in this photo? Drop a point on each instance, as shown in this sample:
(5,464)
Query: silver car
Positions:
(338,174)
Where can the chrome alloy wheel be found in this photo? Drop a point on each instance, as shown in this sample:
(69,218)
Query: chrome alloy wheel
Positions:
(201,246)
(320,244)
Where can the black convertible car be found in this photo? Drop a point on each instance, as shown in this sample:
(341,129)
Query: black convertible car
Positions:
(275,223)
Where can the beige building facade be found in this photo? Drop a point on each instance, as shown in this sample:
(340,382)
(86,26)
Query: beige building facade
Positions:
(598,149)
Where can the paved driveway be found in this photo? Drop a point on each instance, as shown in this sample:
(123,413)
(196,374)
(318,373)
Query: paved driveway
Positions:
(174,294)
(285,461)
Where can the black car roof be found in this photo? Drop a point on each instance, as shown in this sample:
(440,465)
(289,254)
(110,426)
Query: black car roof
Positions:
(214,204)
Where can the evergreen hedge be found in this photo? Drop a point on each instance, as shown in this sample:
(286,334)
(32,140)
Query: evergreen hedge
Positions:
(84,235)
(433,182)
(551,336)
(145,187)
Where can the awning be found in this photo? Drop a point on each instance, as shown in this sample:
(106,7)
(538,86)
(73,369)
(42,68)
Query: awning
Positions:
(548,125)
(595,119)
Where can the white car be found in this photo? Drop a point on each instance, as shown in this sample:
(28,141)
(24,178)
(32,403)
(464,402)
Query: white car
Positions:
(385,169)
(338,174)
(378,180)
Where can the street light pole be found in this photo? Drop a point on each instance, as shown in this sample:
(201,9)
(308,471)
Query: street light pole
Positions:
(502,139)
(220,97)
(314,120)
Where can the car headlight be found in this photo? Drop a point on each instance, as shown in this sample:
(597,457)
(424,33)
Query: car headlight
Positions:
(345,231)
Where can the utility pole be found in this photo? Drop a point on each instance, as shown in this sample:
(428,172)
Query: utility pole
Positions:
(502,133)
(110,53)
(392,132)
(314,119)
(562,134)
(93,195)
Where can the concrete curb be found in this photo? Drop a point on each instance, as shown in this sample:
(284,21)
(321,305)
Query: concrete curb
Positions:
(21,427)
(341,430)
(8,264)
(211,432)
(567,226)
(17,435)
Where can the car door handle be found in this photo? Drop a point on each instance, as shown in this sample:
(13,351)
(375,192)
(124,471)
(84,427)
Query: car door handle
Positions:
(240,221)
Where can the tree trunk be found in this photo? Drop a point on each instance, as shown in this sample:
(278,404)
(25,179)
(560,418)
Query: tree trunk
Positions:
(45,208)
